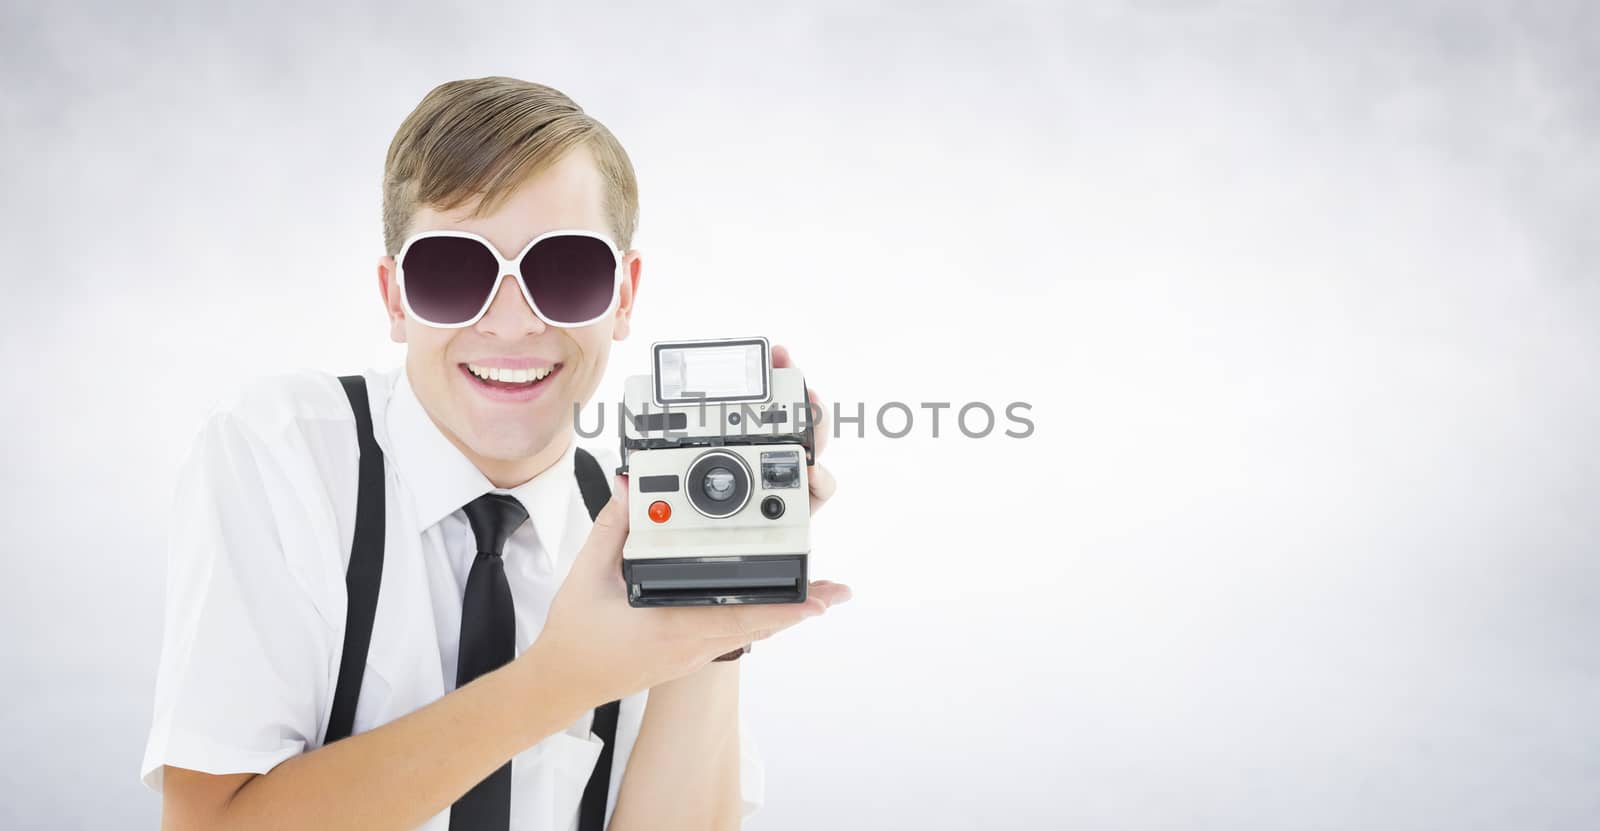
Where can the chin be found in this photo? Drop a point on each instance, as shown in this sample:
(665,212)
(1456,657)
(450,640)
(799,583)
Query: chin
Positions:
(511,448)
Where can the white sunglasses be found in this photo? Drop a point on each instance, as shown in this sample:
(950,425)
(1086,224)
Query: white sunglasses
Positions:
(570,278)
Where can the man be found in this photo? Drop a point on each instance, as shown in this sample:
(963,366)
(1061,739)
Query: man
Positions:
(482,410)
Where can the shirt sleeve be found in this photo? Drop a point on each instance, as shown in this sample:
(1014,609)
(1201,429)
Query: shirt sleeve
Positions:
(246,654)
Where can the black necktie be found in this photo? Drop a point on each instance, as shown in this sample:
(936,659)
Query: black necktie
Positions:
(488,642)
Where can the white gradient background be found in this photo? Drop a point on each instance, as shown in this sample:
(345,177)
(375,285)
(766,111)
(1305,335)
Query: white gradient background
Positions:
(1304,297)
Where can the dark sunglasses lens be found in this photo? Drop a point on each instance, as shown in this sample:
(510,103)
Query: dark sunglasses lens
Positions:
(571,278)
(448,278)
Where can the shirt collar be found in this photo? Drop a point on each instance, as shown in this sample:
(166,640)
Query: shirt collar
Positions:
(442,480)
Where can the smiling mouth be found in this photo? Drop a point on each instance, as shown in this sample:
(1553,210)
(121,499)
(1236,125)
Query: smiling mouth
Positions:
(509,380)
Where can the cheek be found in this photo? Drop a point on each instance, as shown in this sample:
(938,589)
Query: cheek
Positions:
(427,357)
(426,341)
(594,342)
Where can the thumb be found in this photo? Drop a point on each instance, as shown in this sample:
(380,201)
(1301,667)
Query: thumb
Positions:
(604,547)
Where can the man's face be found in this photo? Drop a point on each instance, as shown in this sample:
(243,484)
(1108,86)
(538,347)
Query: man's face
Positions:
(513,440)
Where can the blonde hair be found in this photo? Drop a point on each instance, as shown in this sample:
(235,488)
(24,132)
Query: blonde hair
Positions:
(485,137)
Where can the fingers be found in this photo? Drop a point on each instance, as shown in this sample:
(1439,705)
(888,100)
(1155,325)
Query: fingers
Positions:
(723,644)
(822,486)
(614,516)
(819,429)
(604,547)
(743,625)
(830,593)
(752,623)
(721,629)
(758,621)
(782,359)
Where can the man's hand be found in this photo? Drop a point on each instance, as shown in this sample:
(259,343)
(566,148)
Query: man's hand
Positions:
(684,770)
(605,649)
(822,484)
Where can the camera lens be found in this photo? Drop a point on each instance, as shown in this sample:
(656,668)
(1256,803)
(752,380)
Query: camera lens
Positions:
(719,484)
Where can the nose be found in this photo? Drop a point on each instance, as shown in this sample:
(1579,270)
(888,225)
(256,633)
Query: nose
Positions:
(510,316)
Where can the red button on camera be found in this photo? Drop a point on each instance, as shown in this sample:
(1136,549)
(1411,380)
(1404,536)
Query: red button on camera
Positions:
(660,511)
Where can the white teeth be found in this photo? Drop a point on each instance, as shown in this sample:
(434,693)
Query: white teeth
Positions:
(511,376)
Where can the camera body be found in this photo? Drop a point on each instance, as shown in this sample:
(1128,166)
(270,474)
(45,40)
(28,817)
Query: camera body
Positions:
(715,444)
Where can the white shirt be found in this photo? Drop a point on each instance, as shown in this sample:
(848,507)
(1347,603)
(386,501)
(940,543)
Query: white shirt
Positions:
(255,601)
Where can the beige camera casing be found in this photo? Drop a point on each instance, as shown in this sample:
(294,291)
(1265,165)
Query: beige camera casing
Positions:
(749,543)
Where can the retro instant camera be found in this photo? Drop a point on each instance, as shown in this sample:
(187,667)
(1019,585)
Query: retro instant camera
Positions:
(715,444)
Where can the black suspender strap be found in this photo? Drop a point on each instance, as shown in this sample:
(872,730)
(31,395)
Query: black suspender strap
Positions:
(592,814)
(591,482)
(365,571)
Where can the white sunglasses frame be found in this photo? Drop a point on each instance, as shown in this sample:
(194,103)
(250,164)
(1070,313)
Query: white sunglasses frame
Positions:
(508,268)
